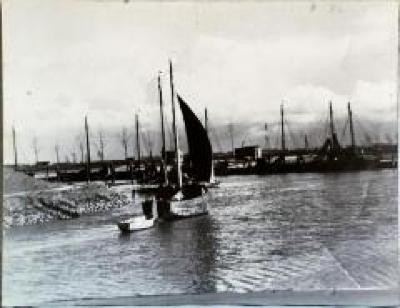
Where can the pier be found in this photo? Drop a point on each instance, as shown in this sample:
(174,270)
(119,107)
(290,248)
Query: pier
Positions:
(244,160)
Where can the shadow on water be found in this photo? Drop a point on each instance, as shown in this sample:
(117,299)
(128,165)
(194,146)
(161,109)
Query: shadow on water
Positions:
(271,232)
(183,252)
(192,245)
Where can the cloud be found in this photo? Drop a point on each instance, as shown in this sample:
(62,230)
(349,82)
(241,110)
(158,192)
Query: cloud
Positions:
(240,60)
(376,100)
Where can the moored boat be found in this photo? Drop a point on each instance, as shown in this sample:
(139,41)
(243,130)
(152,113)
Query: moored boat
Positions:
(184,198)
(190,201)
(140,222)
(136,223)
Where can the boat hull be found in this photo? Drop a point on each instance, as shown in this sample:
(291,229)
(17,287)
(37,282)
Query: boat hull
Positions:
(180,209)
(137,223)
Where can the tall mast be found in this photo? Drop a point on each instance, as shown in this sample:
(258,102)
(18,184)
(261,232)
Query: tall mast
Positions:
(87,149)
(305,142)
(231,135)
(82,151)
(171,80)
(353,142)
(56,148)
(266,135)
(150,143)
(177,156)
(15,149)
(137,138)
(282,130)
(35,149)
(101,143)
(163,150)
(73,154)
(125,142)
(331,120)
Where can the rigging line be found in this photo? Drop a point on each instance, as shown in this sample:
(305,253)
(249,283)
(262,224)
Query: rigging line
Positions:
(319,136)
(209,131)
(277,141)
(291,135)
(244,139)
(170,137)
(169,133)
(231,138)
(149,140)
(285,122)
(309,140)
(213,132)
(317,131)
(388,138)
(326,127)
(318,139)
(320,131)
(145,143)
(271,136)
(359,124)
(344,131)
(215,136)
(367,135)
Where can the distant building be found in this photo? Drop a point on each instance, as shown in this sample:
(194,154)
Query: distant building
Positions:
(379,149)
(222,155)
(42,163)
(384,147)
(248,153)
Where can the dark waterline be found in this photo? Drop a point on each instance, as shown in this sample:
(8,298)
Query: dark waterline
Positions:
(293,231)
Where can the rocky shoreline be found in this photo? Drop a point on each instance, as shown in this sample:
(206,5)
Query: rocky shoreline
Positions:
(40,202)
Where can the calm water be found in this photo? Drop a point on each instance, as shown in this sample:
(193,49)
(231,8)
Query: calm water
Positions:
(295,231)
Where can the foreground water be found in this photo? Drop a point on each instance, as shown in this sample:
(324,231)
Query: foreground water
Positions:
(294,231)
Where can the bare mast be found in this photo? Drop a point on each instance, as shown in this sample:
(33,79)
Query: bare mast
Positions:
(56,149)
(232,142)
(171,80)
(282,130)
(35,149)
(163,150)
(305,141)
(177,155)
(332,126)
(353,141)
(82,152)
(87,149)
(137,138)
(101,145)
(266,135)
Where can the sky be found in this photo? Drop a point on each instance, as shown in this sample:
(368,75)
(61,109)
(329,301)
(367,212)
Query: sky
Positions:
(63,60)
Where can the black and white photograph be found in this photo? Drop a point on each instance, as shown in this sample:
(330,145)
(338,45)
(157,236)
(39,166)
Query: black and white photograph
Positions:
(199,153)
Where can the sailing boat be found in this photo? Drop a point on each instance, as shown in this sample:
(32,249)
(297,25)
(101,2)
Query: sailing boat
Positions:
(186,195)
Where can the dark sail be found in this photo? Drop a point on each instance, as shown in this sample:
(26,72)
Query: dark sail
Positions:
(200,151)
